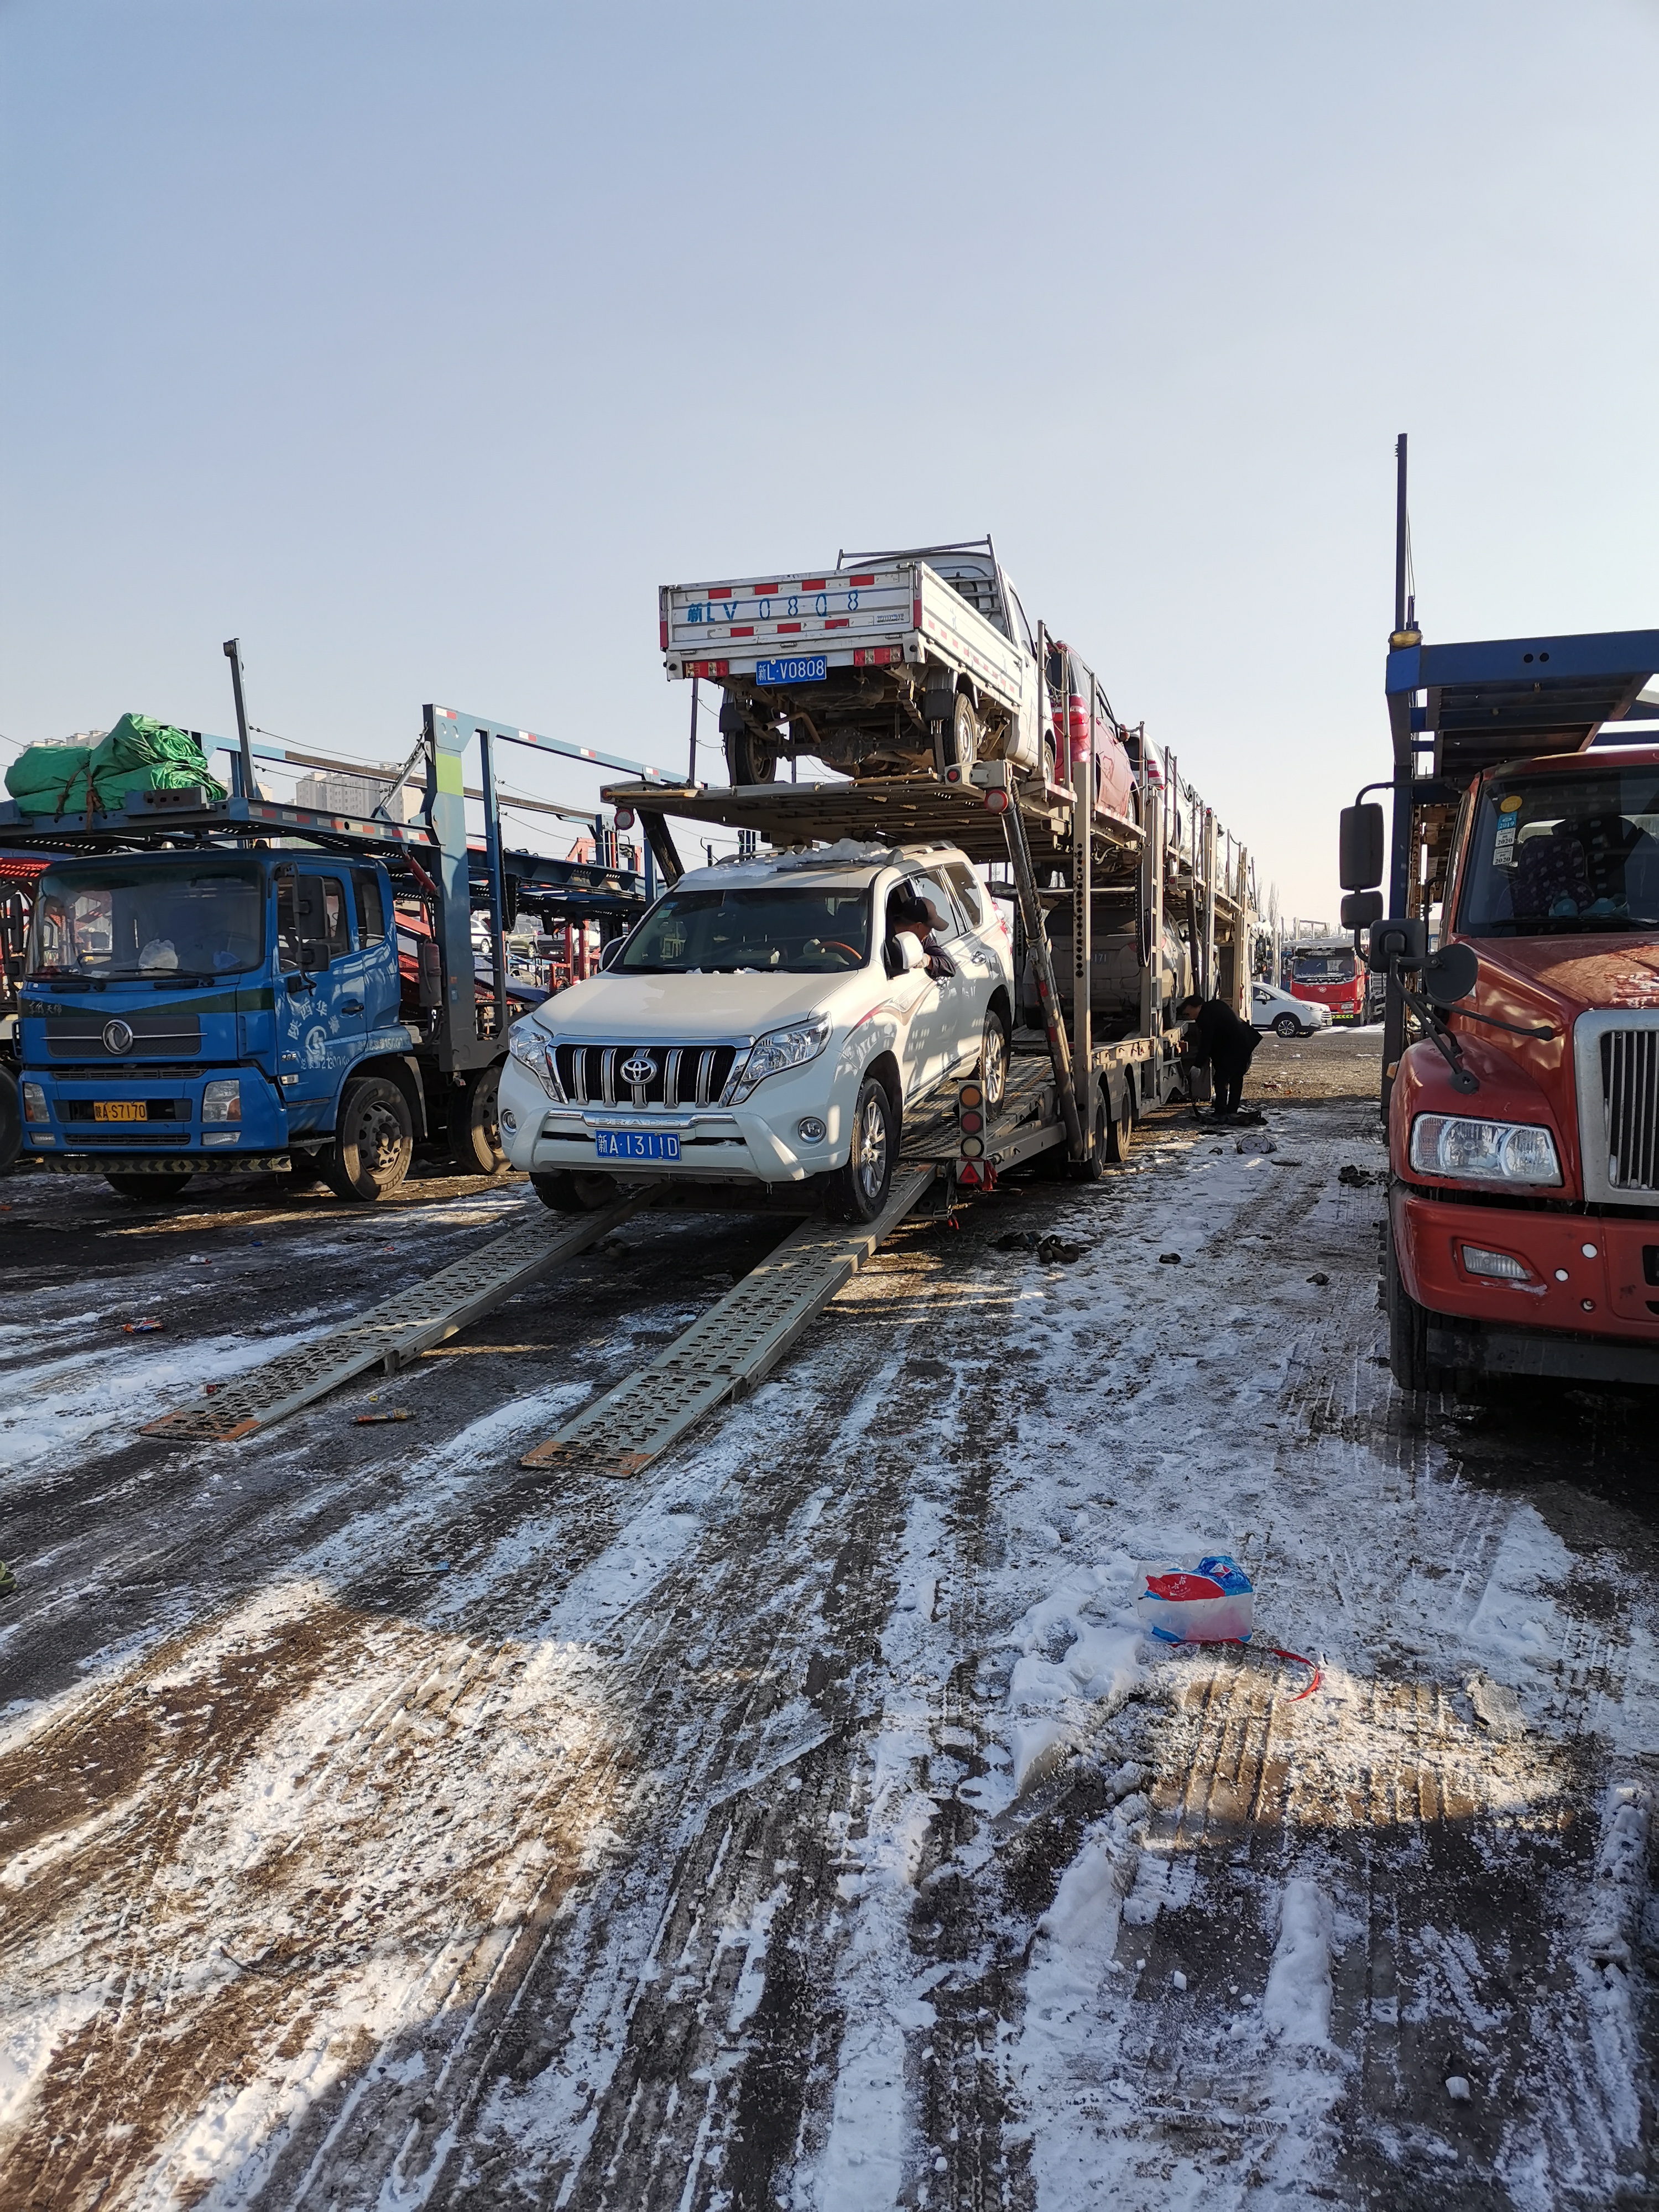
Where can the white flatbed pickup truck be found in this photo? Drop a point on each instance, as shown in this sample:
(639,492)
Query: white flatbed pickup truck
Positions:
(890,662)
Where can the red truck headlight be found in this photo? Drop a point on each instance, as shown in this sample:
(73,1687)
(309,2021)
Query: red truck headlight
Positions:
(1457,1145)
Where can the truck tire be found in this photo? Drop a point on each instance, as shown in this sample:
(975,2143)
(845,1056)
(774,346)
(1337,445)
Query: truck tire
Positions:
(475,1137)
(1092,1169)
(1121,1131)
(957,744)
(373,1142)
(11,1122)
(1409,1326)
(149,1190)
(859,1191)
(749,758)
(994,1064)
(567,1191)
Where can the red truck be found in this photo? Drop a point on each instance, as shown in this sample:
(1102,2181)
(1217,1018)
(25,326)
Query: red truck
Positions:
(1521,1055)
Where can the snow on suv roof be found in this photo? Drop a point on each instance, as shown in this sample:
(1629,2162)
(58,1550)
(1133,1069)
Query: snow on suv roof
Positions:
(848,854)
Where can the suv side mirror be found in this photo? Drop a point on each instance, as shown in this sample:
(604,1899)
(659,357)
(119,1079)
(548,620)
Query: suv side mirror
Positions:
(902,954)
(1360,848)
(1361,908)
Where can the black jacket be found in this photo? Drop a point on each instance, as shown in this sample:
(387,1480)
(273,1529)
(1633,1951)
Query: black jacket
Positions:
(1219,1038)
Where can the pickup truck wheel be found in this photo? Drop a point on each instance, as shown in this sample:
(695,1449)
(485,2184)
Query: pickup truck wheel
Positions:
(1409,1326)
(859,1191)
(994,1064)
(149,1190)
(750,758)
(11,1122)
(957,744)
(475,1136)
(373,1142)
(566,1192)
(1287,1026)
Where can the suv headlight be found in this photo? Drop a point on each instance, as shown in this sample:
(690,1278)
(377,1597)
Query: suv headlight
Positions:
(1483,1151)
(781,1049)
(529,1045)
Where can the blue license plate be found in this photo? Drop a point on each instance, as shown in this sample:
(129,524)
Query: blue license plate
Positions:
(804,668)
(636,1144)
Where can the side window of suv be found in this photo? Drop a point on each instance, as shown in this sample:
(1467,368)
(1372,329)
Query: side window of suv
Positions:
(934,896)
(970,893)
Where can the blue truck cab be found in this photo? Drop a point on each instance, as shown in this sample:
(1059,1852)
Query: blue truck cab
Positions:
(216,984)
(212,1002)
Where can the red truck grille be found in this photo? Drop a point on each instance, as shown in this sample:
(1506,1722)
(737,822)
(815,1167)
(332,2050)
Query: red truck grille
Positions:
(1630,1092)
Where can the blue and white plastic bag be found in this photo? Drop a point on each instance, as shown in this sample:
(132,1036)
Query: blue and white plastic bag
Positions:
(1204,1599)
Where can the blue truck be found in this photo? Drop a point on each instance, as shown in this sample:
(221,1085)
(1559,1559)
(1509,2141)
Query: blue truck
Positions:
(219,985)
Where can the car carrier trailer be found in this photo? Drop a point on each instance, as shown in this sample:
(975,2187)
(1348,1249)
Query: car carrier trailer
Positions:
(265,1026)
(1071,1104)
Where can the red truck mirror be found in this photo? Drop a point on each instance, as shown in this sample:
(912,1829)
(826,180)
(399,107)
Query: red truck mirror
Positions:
(1360,848)
(1361,908)
(1451,974)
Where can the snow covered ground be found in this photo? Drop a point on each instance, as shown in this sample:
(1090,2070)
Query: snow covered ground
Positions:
(809,1823)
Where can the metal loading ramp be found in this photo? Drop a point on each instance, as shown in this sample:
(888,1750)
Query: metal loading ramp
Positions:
(729,1350)
(396,1334)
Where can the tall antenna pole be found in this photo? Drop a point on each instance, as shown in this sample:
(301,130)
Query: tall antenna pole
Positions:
(1400,529)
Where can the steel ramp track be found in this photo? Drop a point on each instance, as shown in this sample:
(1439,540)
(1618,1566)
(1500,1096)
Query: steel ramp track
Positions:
(727,1351)
(394,1334)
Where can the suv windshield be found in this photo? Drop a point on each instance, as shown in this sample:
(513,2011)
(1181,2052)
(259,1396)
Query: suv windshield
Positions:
(795,929)
(196,918)
(1564,853)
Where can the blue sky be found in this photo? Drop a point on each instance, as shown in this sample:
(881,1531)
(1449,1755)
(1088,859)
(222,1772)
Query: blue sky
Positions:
(418,344)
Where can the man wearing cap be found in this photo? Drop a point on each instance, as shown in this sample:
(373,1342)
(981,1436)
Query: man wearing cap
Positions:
(1216,1034)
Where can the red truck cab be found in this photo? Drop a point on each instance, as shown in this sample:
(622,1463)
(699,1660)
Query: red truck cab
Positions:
(1328,972)
(1522,1234)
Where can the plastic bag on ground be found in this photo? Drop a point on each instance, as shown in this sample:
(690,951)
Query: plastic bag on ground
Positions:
(1204,1598)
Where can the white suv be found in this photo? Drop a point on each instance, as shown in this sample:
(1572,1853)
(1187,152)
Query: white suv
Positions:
(768,1022)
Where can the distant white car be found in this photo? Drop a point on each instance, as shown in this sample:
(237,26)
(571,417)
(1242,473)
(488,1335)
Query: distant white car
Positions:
(770,1020)
(1289,1016)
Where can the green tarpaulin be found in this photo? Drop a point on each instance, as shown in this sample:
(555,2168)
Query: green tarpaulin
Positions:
(139,754)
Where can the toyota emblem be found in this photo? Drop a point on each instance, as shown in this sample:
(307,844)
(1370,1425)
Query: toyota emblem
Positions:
(118,1036)
(638,1071)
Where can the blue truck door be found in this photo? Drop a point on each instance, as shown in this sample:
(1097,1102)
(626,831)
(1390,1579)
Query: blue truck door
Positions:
(321,1021)
(383,985)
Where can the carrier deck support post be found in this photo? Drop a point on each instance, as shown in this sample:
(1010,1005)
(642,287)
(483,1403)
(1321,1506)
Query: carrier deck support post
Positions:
(1083,812)
(1019,853)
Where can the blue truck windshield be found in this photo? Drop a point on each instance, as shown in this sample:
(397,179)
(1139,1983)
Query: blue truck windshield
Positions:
(195,919)
(796,929)
(1562,854)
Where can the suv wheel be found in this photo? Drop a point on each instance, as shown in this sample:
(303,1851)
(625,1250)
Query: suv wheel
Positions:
(859,1191)
(567,1191)
(1287,1026)
(994,1064)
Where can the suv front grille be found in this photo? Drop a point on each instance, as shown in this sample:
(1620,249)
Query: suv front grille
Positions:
(669,1076)
(1630,1094)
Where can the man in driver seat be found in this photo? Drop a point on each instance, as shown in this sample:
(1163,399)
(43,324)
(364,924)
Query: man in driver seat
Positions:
(908,915)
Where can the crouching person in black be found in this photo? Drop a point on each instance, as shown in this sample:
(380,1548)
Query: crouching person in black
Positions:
(1227,1042)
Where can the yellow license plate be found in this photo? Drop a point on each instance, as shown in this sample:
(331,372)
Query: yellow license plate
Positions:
(119,1110)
